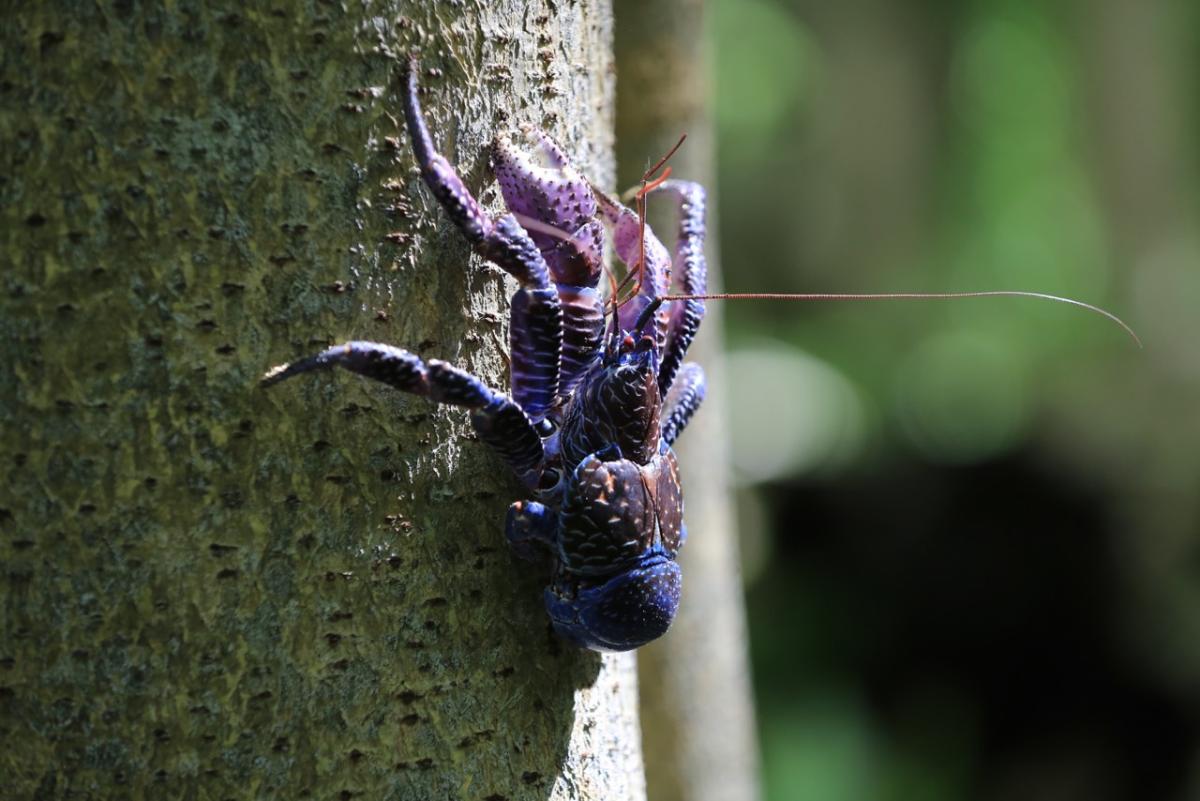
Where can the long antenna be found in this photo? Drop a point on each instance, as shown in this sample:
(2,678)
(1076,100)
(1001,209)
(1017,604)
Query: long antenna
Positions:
(648,312)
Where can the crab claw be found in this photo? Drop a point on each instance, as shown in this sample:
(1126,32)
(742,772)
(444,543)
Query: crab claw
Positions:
(554,203)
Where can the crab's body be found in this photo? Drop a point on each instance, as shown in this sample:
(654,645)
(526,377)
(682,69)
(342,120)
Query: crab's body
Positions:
(591,418)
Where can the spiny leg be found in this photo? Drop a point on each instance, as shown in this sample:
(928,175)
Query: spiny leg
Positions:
(682,401)
(692,272)
(499,421)
(536,321)
(555,204)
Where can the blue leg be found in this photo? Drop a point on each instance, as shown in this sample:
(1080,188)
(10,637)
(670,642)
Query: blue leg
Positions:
(499,421)
(536,329)
(683,400)
(532,530)
(690,266)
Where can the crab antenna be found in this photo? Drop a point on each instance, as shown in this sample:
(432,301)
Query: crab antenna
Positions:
(647,185)
(837,296)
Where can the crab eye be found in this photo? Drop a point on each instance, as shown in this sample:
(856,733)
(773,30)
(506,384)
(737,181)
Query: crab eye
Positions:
(545,428)
(549,479)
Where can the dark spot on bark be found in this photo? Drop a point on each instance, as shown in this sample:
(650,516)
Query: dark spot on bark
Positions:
(229,288)
(87,508)
(395,562)
(408,696)
(333,638)
(226,349)
(531,777)
(66,308)
(496,797)
(161,735)
(80,654)
(280,746)
(227,573)
(356,755)
(339,616)
(341,664)
(207,325)
(437,601)
(49,39)
(504,672)
(35,220)
(414,645)
(425,763)
(410,720)
(218,549)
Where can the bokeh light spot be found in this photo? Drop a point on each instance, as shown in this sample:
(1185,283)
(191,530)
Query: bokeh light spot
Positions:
(792,413)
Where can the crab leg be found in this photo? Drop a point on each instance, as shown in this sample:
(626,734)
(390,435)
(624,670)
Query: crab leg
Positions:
(682,401)
(555,205)
(536,316)
(692,271)
(499,421)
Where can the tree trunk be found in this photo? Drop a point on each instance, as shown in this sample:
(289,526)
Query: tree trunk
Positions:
(213,591)
(697,710)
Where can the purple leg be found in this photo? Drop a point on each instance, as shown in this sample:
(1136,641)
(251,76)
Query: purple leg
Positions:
(555,203)
(536,325)
(682,401)
(499,421)
(692,272)
(656,275)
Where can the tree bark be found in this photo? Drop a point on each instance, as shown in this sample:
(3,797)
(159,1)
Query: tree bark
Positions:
(212,591)
(697,710)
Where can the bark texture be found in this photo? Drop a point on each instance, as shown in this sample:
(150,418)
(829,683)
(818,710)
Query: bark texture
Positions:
(697,709)
(211,591)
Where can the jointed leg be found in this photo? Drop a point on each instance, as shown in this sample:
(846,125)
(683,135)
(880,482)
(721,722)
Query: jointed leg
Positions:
(555,204)
(682,401)
(692,272)
(499,421)
(536,330)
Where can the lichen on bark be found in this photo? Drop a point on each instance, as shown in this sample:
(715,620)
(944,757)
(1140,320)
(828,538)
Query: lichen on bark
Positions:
(210,591)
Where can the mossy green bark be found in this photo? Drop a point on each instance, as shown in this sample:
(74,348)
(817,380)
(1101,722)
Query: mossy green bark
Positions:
(212,591)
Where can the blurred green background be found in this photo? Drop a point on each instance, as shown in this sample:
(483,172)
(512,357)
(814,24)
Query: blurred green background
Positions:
(970,529)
